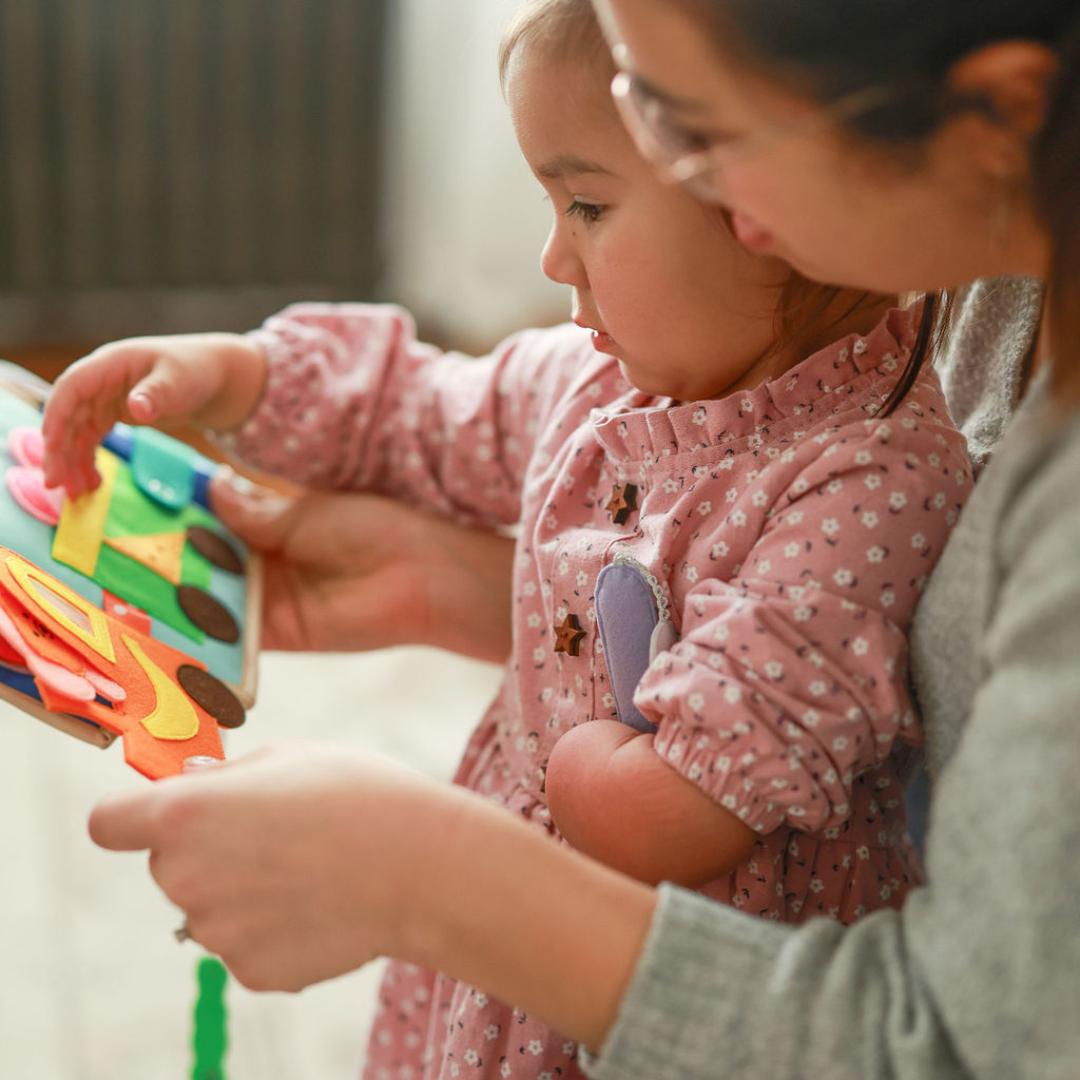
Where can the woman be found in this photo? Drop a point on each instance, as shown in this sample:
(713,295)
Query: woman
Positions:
(919,151)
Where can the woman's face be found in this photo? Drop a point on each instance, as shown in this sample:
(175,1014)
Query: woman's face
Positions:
(837,209)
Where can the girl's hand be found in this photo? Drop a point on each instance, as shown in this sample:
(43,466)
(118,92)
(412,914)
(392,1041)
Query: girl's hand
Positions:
(213,380)
(347,572)
(295,863)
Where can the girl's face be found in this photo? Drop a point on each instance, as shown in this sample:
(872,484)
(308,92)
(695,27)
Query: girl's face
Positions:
(838,212)
(665,288)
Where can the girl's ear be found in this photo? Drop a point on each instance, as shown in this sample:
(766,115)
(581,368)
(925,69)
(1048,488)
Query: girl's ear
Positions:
(1013,78)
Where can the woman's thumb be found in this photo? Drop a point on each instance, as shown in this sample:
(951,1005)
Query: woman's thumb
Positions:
(262,518)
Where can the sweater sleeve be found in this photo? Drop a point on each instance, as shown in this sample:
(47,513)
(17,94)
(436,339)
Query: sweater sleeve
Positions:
(789,680)
(976,976)
(354,402)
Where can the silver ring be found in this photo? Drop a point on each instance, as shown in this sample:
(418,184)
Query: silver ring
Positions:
(182,933)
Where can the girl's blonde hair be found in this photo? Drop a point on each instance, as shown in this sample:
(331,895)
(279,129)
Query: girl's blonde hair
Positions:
(561,28)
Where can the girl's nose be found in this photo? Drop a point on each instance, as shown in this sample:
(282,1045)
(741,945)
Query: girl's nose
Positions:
(559,259)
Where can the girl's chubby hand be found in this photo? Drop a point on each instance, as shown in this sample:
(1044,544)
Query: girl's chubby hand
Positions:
(213,380)
(295,863)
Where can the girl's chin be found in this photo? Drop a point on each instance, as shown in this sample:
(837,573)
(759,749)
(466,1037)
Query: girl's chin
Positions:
(646,382)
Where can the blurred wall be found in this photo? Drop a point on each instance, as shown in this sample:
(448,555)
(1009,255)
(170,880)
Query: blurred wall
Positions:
(467,219)
(197,164)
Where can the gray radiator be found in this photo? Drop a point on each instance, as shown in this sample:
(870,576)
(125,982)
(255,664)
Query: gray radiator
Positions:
(183,148)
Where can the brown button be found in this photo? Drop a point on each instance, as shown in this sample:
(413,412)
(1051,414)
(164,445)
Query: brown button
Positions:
(568,636)
(211,694)
(216,548)
(207,613)
(623,503)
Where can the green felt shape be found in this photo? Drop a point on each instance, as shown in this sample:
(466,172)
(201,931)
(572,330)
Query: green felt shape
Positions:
(139,585)
(210,1037)
(163,469)
(131,513)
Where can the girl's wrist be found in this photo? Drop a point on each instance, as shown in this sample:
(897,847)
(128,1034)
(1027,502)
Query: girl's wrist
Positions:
(244,365)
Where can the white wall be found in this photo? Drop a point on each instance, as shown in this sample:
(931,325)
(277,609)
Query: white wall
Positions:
(466,220)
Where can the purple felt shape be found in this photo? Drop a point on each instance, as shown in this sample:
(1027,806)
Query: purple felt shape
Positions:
(626,616)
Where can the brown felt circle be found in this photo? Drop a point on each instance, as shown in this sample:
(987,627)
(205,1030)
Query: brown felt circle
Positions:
(207,613)
(216,548)
(212,695)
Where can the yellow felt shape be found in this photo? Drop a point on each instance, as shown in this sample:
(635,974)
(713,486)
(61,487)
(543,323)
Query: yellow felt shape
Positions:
(82,520)
(161,552)
(64,605)
(160,724)
(173,716)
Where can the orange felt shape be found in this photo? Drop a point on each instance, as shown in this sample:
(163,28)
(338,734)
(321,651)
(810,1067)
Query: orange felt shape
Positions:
(161,726)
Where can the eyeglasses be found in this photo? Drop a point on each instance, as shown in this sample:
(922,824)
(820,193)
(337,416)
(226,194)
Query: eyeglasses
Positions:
(683,157)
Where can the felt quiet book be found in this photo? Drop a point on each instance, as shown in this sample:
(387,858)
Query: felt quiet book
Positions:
(129,611)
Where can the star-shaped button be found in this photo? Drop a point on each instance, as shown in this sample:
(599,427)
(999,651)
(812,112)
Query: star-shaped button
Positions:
(568,636)
(623,503)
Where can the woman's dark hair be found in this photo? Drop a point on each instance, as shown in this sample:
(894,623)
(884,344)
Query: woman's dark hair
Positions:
(832,48)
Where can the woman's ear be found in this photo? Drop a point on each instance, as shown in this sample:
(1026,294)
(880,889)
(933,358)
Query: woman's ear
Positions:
(1013,78)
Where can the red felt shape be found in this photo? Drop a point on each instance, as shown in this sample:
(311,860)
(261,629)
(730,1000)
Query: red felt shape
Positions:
(153,757)
(127,613)
(8,655)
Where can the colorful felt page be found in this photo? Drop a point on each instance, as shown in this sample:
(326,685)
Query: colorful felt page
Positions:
(143,573)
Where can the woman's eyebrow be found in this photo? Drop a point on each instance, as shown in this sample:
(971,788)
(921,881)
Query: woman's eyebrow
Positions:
(668,100)
(569,165)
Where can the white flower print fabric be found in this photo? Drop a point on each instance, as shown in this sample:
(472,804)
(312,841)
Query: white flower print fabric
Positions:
(791,526)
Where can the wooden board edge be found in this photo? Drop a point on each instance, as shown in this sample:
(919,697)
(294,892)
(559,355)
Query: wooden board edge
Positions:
(89,733)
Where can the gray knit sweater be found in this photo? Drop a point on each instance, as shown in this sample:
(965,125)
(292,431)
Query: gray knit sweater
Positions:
(979,975)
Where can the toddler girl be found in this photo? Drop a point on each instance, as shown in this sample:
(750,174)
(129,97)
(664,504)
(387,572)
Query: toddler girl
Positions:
(724,528)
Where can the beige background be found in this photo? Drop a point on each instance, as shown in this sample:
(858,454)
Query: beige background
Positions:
(92,984)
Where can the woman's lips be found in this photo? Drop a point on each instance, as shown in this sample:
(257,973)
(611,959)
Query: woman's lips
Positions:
(751,235)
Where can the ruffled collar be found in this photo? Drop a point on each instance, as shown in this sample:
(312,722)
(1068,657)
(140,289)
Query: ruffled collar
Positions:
(640,427)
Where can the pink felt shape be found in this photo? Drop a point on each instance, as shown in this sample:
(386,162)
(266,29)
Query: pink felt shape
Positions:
(27,487)
(69,684)
(108,689)
(27,446)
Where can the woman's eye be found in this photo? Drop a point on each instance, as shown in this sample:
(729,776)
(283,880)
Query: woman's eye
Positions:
(588,212)
(685,141)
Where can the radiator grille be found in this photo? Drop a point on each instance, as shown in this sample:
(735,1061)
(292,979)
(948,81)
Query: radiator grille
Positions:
(169,144)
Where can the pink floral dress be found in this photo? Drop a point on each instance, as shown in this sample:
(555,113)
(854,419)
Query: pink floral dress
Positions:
(789,528)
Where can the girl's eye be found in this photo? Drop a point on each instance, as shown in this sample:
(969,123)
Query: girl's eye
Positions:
(587,212)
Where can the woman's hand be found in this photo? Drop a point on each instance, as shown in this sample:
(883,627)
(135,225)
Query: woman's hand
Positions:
(348,572)
(281,860)
(301,862)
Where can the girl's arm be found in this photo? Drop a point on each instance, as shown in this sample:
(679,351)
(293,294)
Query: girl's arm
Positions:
(353,401)
(615,799)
